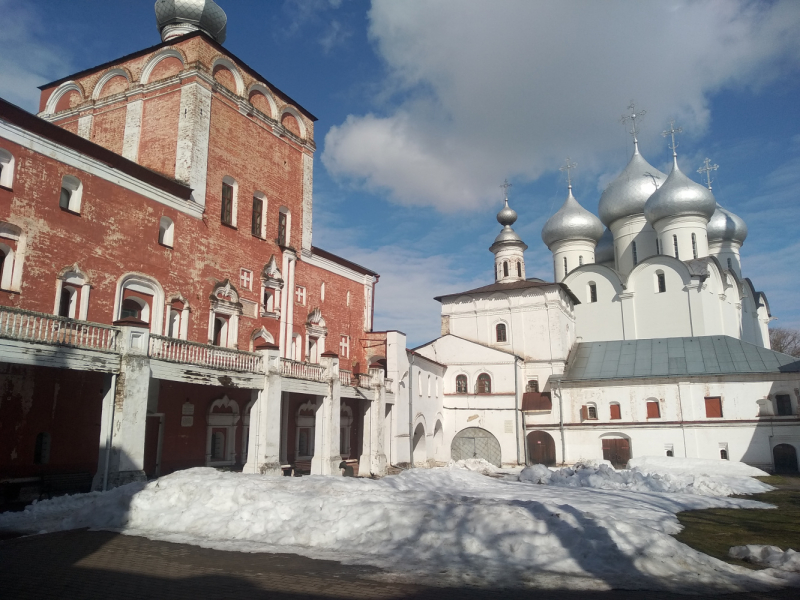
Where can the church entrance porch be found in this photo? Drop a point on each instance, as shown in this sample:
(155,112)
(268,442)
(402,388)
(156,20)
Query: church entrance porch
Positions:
(475,442)
(541,448)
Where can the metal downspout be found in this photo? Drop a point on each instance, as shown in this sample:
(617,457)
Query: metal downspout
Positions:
(518,414)
(410,414)
(561,424)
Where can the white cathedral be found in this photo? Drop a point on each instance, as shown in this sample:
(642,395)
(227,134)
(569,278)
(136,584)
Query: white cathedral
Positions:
(650,342)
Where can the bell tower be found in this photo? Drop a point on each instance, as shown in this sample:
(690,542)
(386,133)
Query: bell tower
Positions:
(508,248)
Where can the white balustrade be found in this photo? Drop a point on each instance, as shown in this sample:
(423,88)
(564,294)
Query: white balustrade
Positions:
(302,370)
(364,380)
(29,326)
(204,355)
(346,377)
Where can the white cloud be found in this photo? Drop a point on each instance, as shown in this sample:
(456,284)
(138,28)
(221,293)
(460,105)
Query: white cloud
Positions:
(479,91)
(27,58)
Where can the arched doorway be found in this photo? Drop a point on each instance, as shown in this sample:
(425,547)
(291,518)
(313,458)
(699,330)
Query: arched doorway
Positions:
(785,457)
(475,442)
(617,450)
(420,453)
(541,448)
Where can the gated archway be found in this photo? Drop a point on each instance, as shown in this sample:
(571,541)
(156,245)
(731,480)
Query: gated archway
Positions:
(475,442)
(785,457)
(617,450)
(420,453)
(541,448)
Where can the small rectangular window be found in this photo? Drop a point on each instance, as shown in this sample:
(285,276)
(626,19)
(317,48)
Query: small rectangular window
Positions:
(675,243)
(784,403)
(258,209)
(592,292)
(714,408)
(635,255)
(653,410)
(227,204)
(694,245)
(63,201)
(282,229)
(615,411)
(533,386)
(662,283)
(591,412)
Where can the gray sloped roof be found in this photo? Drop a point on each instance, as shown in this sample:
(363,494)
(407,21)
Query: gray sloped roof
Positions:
(673,357)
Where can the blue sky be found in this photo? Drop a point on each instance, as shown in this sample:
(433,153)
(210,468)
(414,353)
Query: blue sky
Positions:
(426,107)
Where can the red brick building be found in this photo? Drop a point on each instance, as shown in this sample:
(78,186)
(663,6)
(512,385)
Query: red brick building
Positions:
(160,285)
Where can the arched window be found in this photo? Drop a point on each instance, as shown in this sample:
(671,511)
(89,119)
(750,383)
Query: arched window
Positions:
(141,297)
(258,222)
(675,244)
(166,232)
(133,307)
(484,384)
(71,192)
(661,282)
(723,453)
(653,409)
(500,331)
(592,291)
(519,269)
(174,323)
(635,255)
(461,384)
(429,385)
(694,245)
(12,252)
(322,292)
(591,411)
(505,268)
(615,411)
(229,200)
(284,226)
(6,168)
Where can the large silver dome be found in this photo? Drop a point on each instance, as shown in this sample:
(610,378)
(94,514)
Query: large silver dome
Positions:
(604,251)
(628,193)
(572,222)
(679,196)
(179,17)
(725,226)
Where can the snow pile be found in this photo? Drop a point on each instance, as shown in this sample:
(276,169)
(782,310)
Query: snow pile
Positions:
(479,465)
(443,526)
(695,466)
(653,479)
(772,556)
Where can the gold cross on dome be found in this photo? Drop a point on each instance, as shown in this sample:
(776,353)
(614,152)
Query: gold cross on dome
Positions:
(632,116)
(707,168)
(568,166)
(671,132)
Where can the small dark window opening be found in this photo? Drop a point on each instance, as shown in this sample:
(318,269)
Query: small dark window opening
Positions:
(65,301)
(730,265)
(484,385)
(694,245)
(533,386)
(218,325)
(675,243)
(218,445)
(565,266)
(580,260)
(723,454)
(227,204)
(657,250)
(669,453)
(519,269)
(41,452)
(505,269)
(130,308)
(784,403)
(635,255)
(461,384)
(591,412)
(592,292)
(662,283)
(63,200)
(258,210)
(282,229)
(501,332)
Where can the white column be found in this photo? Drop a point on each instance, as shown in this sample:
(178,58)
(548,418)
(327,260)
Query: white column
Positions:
(326,457)
(282,342)
(85,126)
(263,449)
(373,457)
(194,124)
(106,427)
(308,181)
(133,130)
(290,307)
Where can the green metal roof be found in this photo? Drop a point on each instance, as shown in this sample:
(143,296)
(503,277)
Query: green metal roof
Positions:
(672,357)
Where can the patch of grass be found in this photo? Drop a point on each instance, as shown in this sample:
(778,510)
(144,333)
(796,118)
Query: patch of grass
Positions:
(780,480)
(714,531)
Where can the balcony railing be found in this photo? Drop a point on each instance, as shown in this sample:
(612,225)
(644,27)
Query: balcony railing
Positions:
(346,378)
(204,355)
(302,370)
(364,380)
(29,326)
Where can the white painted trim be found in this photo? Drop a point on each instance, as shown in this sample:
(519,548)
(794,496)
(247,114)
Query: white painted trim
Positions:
(261,88)
(146,284)
(144,78)
(109,75)
(228,64)
(73,158)
(296,114)
(67,86)
(333,267)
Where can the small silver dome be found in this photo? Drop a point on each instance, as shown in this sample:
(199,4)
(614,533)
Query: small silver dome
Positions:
(725,226)
(507,236)
(604,251)
(571,222)
(628,193)
(178,17)
(507,215)
(679,196)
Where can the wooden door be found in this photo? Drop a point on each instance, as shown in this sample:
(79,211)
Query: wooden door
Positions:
(541,448)
(617,451)
(785,458)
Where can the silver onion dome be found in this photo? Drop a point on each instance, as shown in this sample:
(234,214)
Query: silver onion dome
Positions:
(507,215)
(571,222)
(604,251)
(725,226)
(179,17)
(628,193)
(679,196)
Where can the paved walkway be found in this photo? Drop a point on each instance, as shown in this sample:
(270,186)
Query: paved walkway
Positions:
(98,564)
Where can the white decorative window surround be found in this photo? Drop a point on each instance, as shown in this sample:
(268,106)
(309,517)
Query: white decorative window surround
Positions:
(6,169)
(223,416)
(317,331)
(166,232)
(71,194)
(12,254)
(258,224)
(306,422)
(259,338)
(271,286)
(223,318)
(145,292)
(176,324)
(72,294)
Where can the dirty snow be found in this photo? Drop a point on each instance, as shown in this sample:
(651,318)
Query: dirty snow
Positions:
(694,466)
(443,526)
(771,556)
(605,477)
